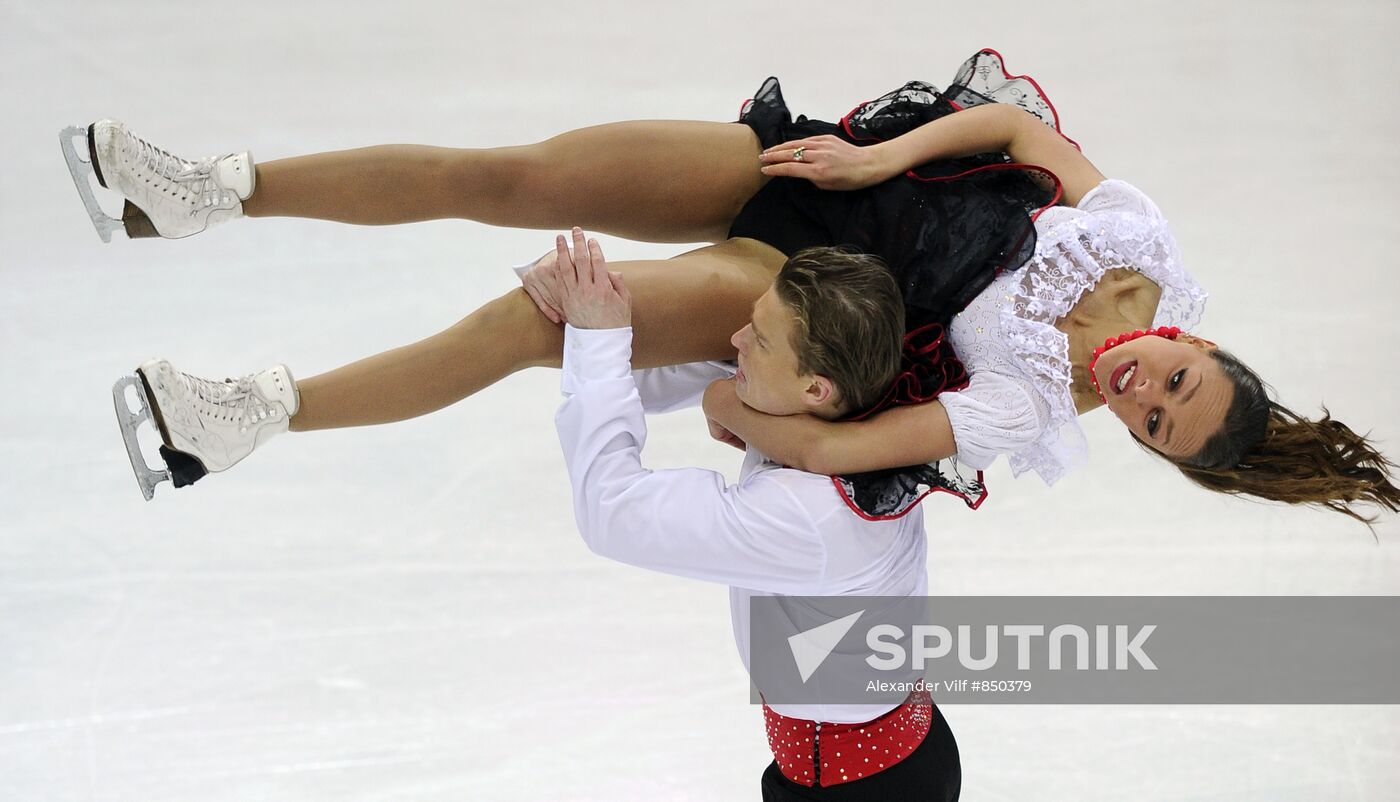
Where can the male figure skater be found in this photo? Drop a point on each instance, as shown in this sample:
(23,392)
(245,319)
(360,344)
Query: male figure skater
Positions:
(826,339)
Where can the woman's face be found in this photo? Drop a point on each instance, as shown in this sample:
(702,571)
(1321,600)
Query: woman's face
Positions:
(1173,394)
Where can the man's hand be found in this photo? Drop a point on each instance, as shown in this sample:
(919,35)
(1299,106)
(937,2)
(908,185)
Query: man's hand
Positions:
(541,283)
(590,295)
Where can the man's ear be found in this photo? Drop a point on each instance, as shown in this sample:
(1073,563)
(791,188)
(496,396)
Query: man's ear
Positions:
(819,391)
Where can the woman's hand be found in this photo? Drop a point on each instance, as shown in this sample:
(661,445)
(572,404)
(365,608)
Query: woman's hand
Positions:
(719,395)
(829,162)
(591,296)
(725,436)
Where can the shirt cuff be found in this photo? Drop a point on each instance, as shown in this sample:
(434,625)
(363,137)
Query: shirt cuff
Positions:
(595,355)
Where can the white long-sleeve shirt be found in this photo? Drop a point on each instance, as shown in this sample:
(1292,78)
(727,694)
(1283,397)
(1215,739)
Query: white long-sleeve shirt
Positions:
(778,531)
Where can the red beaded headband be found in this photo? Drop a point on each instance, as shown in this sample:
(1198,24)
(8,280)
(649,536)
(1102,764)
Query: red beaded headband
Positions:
(1169,332)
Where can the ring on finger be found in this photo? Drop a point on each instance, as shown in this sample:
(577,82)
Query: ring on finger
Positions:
(797,154)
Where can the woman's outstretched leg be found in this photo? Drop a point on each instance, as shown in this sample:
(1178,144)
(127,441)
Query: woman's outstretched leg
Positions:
(684,310)
(659,181)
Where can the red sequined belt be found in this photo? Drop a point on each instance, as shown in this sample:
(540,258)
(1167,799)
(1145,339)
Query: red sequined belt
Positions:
(823,753)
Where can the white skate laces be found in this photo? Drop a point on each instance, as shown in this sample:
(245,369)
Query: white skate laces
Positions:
(206,426)
(233,402)
(166,195)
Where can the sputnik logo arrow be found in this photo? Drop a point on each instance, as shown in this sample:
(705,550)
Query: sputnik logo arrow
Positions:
(811,648)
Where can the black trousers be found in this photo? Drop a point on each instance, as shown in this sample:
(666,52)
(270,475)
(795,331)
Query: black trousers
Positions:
(932,773)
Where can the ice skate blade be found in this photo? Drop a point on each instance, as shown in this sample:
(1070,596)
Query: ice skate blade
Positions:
(82,168)
(146,476)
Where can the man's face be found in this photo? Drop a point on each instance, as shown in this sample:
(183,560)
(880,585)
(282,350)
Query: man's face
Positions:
(768,379)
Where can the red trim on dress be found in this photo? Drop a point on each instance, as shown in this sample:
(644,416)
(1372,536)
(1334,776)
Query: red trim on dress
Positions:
(850,502)
(1059,188)
(1043,96)
(906,390)
(846,122)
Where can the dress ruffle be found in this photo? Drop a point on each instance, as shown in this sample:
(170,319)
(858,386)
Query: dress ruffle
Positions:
(946,228)
(981,79)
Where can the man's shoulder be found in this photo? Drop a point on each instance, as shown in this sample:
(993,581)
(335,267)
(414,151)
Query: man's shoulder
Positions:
(814,493)
(760,470)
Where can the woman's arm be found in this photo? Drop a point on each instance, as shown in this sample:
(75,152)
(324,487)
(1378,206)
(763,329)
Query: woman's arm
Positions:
(996,126)
(910,435)
(833,163)
(1034,142)
(980,129)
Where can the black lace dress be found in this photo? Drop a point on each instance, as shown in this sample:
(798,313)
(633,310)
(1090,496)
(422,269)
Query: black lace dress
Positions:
(946,229)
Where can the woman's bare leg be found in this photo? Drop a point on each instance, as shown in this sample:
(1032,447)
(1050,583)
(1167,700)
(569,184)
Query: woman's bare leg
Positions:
(656,181)
(684,310)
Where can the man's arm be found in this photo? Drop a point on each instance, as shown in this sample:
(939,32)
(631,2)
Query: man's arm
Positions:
(757,534)
(684,521)
(672,387)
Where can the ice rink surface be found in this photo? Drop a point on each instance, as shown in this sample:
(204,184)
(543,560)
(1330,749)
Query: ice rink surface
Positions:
(406,612)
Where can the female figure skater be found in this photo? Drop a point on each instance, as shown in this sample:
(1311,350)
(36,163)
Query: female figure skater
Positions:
(993,223)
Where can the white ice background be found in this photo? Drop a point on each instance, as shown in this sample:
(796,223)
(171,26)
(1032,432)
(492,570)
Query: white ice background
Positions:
(407,613)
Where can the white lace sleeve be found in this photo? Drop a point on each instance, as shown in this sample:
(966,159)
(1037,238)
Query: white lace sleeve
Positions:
(1124,228)
(1113,195)
(994,414)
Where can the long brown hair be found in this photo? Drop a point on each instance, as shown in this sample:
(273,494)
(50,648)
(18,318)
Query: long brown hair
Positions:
(1266,450)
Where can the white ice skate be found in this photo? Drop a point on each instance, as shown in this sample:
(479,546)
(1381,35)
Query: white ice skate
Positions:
(165,195)
(205,425)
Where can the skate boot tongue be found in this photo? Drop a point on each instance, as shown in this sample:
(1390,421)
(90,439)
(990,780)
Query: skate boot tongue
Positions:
(235,171)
